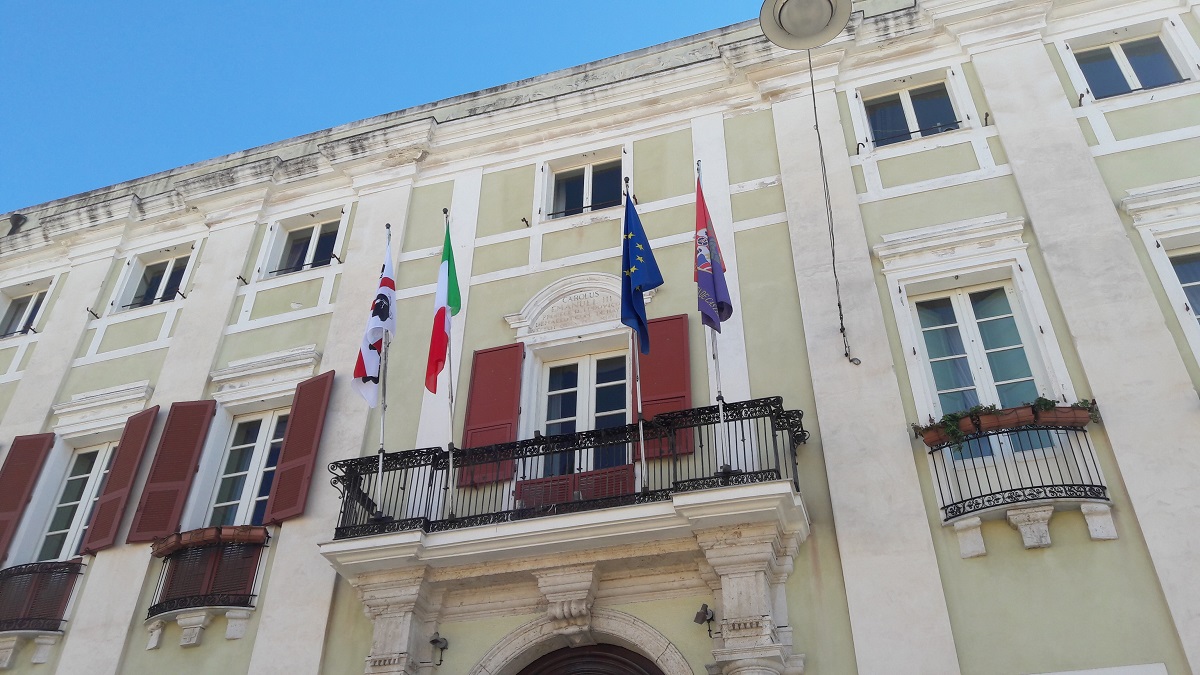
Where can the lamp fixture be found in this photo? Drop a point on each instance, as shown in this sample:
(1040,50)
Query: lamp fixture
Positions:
(803,24)
(441,644)
(704,616)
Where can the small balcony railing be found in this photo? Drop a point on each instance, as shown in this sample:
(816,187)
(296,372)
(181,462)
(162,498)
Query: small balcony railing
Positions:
(683,451)
(35,596)
(1003,467)
(211,567)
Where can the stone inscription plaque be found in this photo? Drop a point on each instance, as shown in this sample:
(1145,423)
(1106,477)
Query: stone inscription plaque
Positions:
(578,309)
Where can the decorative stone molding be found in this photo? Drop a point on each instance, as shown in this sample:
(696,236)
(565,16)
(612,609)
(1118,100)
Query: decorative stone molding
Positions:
(1033,522)
(193,624)
(970,537)
(11,643)
(155,629)
(570,593)
(101,411)
(264,377)
(231,178)
(399,143)
(571,302)
(42,645)
(958,240)
(1165,202)
(1099,521)
(237,621)
(403,609)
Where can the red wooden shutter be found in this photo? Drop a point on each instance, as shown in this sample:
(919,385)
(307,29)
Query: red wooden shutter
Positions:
(175,464)
(106,519)
(667,378)
(17,478)
(493,406)
(293,474)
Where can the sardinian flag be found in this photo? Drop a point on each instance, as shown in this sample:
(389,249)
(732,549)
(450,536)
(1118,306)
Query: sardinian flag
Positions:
(382,323)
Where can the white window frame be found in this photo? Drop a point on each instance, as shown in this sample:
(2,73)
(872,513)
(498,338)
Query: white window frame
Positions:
(271,255)
(137,263)
(956,89)
(584,400)
(1179,45)
(29,317)
(586,160)
(256,468)
(97,477)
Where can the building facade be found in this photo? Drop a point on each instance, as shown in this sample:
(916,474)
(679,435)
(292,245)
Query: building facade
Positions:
(1006,212)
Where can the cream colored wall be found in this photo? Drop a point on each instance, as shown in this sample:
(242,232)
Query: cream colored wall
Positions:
(104,374)
(1149,166)
(501,256)
(426,225)
(348,639)
(260,235)
(6,358)
(1153,118)
(665,222)
(273,339)
(419,272)
(663,166)
(131,333)
(289,298)
(961,202)
(505,197)
(1063,79)
(6,394)
(750,146)
(761,202)
(673,618)
(583,238)
(471,640)
(927,165)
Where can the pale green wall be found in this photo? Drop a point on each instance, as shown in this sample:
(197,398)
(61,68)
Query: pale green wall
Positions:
(500,256)
(1152,118)
(1193,25)
(663,166)
(248,270)
(470,641)
(977,95)
(1063,78)
(6,393)
(53,298)
(281,300)
(275,338)
(131,333)
(972,200)
(6,358)
(673,618)
(668,221)
(843,101)
(1089,134)
(505,197)
(426,225)
(420,272)
(1148,166)
(583,238)
(348,634)
(999,156)
(920,166)
(750,146)
(104,374)
(101,302)
(28,355)
(860,180)
(762,202)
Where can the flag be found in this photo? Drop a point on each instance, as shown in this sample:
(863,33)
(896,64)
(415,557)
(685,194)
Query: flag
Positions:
(712,293)
(381,322)
(639,273)
(446,305)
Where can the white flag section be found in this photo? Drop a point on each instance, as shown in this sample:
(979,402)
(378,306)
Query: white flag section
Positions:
(382,322)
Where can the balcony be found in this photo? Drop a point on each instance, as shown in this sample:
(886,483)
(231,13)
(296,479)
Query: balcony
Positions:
(1049,459)
(211,567)
(690,456)
(34,597)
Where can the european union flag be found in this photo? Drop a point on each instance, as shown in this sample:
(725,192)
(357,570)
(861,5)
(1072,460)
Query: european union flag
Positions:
(639,273)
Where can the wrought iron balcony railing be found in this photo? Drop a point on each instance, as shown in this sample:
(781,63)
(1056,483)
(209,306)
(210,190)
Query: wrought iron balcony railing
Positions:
(211,567)
(1003,467)
(35,596)
(546,475)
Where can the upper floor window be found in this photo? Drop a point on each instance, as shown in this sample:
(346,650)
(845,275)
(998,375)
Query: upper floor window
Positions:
(248,469)
(580,185)
(910,113)
(1187,268)
(581,394)
(21,314)
(72,512)
(157,282)
(306,247)
(1121,67)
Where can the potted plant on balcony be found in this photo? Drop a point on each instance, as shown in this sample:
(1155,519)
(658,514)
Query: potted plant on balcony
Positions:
(1078,414)
(955,427)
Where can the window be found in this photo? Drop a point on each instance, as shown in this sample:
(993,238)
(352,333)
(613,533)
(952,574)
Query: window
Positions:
(158,282)
(922,111)
(586,188)
(306,247)
(21,314)
(73,511)
(974,348)
(1187,268)
(248,469)
(1122,67)
(582,394)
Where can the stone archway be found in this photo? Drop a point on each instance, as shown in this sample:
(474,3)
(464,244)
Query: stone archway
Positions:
(532,641)
(593,660)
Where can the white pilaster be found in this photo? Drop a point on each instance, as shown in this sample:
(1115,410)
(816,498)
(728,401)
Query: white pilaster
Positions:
(1133,364)
(897,605)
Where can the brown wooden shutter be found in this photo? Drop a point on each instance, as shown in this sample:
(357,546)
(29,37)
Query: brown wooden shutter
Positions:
(493,408)
(17,478)
(667,378)
(175,464)
(293,474)
(106,519)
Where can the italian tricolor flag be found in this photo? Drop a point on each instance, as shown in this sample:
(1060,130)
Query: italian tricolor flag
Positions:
(446,305)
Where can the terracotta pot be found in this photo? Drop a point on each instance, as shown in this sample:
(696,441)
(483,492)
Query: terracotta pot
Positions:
(1007,418)
(1064,416)
(936,435)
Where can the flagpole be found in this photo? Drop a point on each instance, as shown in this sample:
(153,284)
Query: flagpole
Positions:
(637,382)
(383,355)
(723,436)
(450,388)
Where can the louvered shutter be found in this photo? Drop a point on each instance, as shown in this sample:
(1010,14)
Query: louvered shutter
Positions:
(667,379)
(17,478)
(175,464)
(236,567)
(493,408)
(106,519)
(293,475)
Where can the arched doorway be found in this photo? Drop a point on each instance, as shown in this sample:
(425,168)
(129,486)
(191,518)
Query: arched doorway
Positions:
(593,660)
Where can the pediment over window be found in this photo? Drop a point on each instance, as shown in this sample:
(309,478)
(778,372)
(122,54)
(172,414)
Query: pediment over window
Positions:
(571,302)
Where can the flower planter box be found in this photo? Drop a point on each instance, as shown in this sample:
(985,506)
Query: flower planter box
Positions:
(1007,418)
(1064,416)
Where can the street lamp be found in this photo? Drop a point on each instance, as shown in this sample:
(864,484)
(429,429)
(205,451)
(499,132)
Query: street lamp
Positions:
(803,24)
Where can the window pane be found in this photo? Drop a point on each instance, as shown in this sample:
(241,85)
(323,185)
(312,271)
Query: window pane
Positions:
(610,370)
(1188,268)
(231,489)
(935,313)
(247,432)
(1016,393)
(324,251)
(564,377)
(999,333)
(1102,73)
(559,406)
(148,284)
(952,374)
(280,428)
(1151,63)
(955,401)
(175,278)
(264,487)
(610,456)
(1009,364)
(934,112)
(31,315)
(83,463)
(73,490)
(886,116)
(610,398)
(239,460)
(260,510)
(606,185)
(295,247)
(1193,296)
(568,192)
(609,421)
(223,515)
(559,464)
(13,315)
(943,342)
(63,516)
(990,303)
(556,428)
(52,546)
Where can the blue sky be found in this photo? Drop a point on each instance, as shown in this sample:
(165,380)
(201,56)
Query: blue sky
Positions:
(100,92)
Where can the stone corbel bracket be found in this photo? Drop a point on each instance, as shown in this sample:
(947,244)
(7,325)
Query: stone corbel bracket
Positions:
(11,642)
(194,621)
(570,593)
(101,412)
